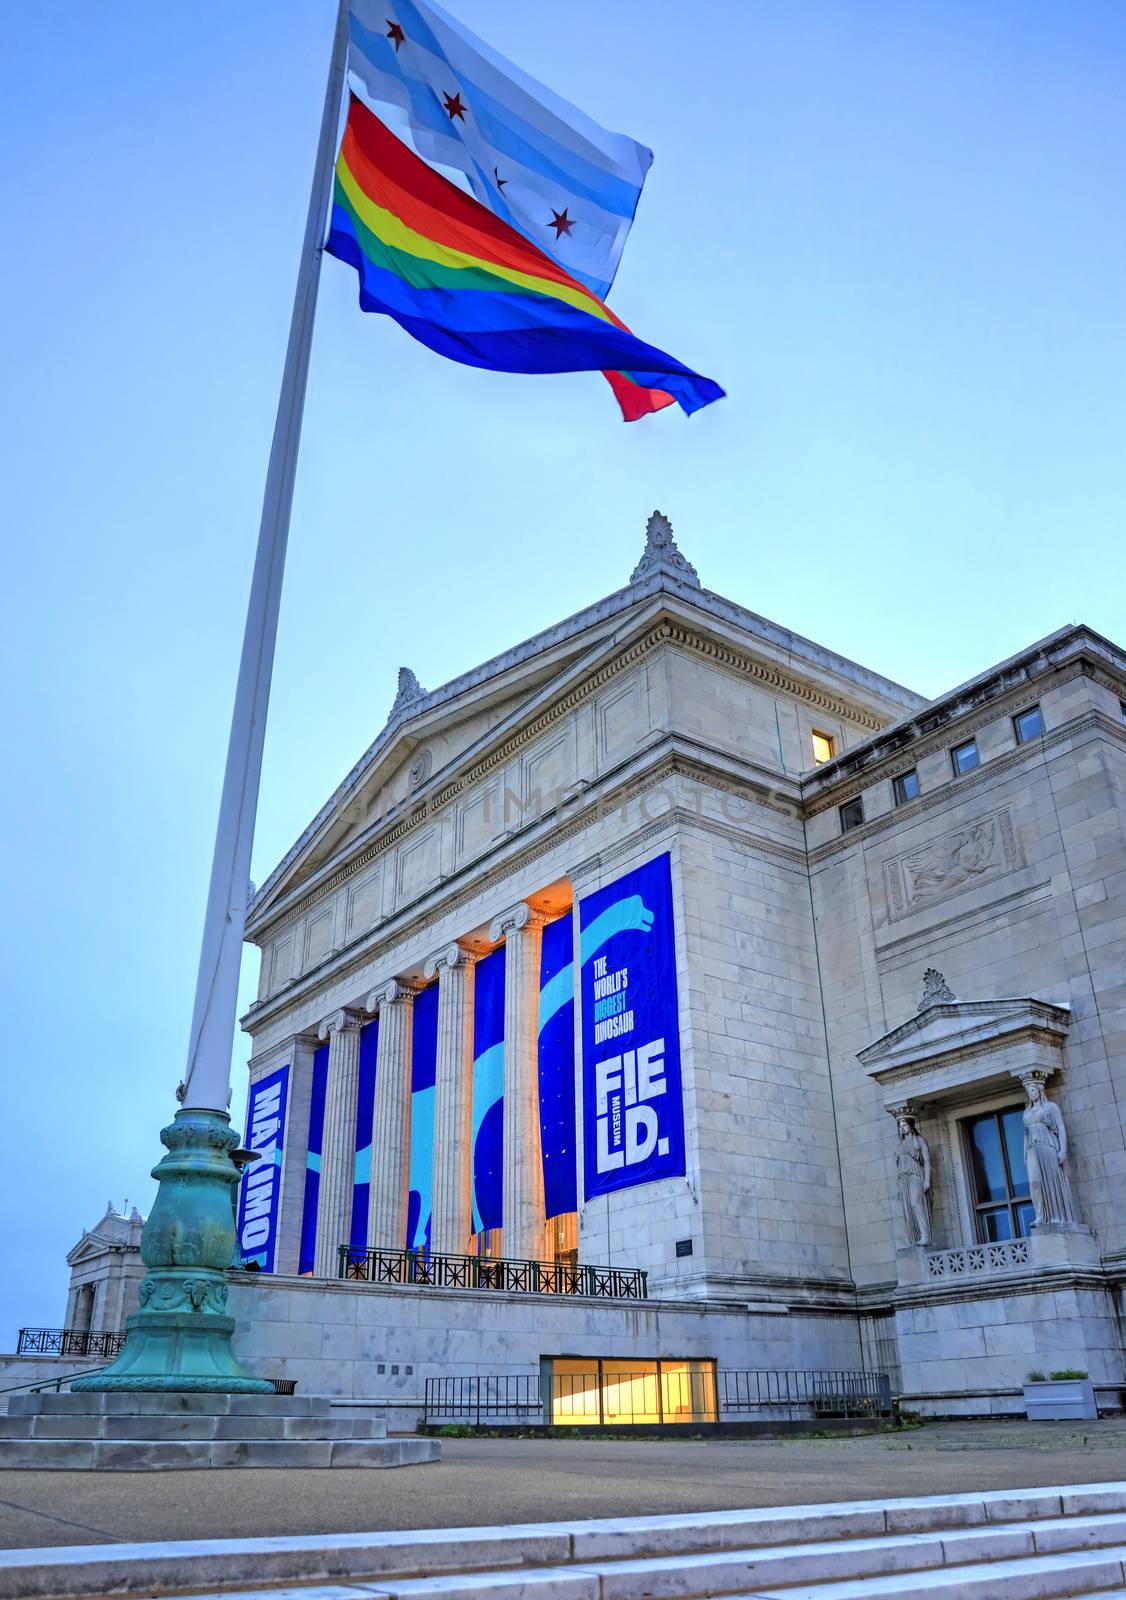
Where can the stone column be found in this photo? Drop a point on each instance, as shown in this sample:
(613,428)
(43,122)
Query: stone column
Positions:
(452,1199)
(524,1226)
(338,1147)
(391,1131)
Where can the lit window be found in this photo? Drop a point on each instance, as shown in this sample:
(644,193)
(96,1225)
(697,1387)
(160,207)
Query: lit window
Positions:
(852,814)
(586,1392)
(965,756)
(994,1146)
(824,748)
(906,787)
(1029,725)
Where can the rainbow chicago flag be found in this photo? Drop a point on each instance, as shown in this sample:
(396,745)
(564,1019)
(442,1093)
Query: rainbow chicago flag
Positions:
(467,284)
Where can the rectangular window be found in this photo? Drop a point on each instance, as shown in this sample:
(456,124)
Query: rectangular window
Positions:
(965,757)
(852,814)
(1028,724)
(616,1392)
(824,748)
(994,1146)
(906,787)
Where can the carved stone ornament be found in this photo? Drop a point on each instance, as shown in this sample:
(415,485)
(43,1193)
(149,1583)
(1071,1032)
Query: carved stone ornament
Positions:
(337,1023)
(420,768)
(913,1173)
(396,992)
(935,989)
(458,954)
(662,555)
(409,691)
(514,921)
(1045,1157)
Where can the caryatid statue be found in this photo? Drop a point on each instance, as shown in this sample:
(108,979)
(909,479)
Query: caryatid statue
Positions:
(1045,1156)
(913,1169)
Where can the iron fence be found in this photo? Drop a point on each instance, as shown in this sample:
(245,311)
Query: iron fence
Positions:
(68,1342)
(492,1272)
(688,1393)
(799,1395)
(508,1398)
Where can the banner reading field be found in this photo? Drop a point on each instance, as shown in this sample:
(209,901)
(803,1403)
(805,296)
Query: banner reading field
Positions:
(633,1111)
(261,1183)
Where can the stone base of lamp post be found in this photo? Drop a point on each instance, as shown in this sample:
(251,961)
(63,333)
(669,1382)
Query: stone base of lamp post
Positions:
(180,1339)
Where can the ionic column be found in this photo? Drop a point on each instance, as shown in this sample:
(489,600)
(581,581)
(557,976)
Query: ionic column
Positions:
(523,1218)
(391,1121)
(338,1147)
(452,1200)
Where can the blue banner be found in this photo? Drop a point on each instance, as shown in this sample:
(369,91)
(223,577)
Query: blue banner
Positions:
(424,1064)
(633,1111)
(313,1160)
(261,1181)
(557,1069)
(365,1115)
(488,1091)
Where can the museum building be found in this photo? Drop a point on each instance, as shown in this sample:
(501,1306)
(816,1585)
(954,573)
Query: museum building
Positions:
(670,989)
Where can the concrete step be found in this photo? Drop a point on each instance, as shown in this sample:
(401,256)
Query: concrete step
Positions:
(190,1425)
(1004,1546)
(165,1403)
(144,1455)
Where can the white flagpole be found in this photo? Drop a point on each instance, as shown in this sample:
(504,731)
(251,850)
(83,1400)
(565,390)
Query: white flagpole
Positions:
(206,1084)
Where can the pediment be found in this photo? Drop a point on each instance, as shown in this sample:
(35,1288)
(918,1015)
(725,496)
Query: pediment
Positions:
(954,1046)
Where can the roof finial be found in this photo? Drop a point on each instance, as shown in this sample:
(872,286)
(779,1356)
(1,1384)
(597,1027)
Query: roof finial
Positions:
(409,691)
(662,556)
(935,989)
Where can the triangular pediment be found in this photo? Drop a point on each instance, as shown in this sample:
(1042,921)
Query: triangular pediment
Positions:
(953,1045)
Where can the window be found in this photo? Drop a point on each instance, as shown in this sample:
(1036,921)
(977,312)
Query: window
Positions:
(994,1145)
(852,814)
(824,748)
(587,1392)
(965,757)
(906,787)
(1028,724)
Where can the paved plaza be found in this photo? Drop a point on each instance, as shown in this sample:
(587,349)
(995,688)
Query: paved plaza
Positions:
(483,1482)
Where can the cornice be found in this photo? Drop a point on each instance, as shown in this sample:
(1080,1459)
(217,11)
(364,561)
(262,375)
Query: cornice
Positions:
(427,804)
(405,928)
(1090,721)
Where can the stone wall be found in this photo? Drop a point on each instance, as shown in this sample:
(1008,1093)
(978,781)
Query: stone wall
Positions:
(333,1338)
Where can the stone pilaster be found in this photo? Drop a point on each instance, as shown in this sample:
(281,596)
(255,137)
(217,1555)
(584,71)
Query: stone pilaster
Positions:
(452,1201)
(391,1132)
(338,1148)
(524,1226)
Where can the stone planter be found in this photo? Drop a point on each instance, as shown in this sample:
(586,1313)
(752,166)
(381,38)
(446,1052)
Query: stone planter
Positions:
(1061,1400)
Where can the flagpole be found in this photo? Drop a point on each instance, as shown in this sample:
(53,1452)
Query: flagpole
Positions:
(180,1338)
(206,1082)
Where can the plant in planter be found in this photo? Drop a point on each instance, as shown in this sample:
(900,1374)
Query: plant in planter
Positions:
(1065,1395)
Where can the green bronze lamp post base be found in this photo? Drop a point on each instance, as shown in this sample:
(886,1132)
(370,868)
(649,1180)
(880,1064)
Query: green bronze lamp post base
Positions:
(180,1339)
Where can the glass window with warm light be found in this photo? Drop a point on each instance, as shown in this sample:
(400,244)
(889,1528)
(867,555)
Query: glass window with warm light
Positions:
(824,748)
(591,1393)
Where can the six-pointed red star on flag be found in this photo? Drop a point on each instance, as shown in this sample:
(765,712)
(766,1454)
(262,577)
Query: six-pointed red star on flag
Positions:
(561,222)
(454,106)
(395,34)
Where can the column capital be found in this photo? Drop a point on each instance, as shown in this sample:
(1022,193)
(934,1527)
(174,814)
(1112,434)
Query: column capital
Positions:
(399,991)
(460,953)
(342,1021)
(515,920)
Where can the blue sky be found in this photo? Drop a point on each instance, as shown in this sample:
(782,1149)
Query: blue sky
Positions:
(893,229)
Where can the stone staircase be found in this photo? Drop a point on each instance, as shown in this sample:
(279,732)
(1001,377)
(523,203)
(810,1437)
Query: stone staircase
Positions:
(1019,1545)
(134,1432)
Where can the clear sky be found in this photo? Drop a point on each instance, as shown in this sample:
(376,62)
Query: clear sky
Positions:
(893,229)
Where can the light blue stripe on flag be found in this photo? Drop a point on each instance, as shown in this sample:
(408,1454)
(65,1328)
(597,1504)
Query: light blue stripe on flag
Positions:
(528,155)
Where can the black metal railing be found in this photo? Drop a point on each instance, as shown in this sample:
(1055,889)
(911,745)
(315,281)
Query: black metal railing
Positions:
(690,1393)
(492,1272)
(508,1398)
(68,1342)
(800,1395)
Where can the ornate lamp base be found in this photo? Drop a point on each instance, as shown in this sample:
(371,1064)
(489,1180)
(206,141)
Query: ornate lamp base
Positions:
(181,1336)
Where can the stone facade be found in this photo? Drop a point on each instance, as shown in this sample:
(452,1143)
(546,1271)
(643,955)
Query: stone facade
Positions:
(810,902)
(105,1274)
